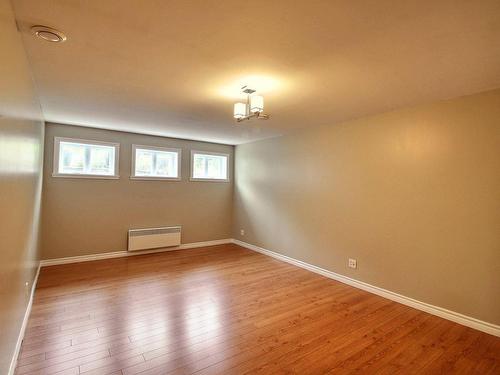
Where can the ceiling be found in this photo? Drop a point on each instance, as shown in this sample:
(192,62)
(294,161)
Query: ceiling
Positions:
(174,68)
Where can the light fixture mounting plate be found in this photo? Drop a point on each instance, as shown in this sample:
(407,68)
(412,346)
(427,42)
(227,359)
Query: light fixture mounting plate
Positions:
(48,33)
(247,90)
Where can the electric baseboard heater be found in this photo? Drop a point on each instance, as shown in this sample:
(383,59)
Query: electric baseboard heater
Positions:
(153,238)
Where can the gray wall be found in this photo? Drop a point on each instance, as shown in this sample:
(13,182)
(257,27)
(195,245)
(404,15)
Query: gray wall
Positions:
(413,195)
(21,151)
(89,216)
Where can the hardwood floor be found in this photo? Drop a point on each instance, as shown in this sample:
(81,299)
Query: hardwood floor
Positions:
(228,310)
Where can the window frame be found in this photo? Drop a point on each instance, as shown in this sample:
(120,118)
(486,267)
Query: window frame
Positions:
(56,155)
(133,176)
(228,177)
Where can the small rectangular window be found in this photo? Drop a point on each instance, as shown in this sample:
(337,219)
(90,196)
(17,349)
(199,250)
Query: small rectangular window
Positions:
(209,166)
(83,158)
(152,163)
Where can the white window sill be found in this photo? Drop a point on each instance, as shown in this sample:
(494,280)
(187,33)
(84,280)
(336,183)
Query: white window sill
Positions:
(146,178)
(91,176)
(209,179)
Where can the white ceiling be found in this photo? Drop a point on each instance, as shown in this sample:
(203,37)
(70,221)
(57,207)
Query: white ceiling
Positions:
(173,68)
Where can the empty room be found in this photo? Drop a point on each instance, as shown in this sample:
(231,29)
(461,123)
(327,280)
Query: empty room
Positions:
(249,187)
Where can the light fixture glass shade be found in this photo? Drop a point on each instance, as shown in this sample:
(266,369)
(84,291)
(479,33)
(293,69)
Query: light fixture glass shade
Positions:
(256,103)
(240,110)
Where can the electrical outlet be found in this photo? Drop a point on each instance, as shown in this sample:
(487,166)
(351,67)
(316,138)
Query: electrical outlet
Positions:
(353,263)
(242,232)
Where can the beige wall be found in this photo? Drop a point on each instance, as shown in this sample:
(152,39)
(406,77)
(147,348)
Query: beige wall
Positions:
(21,143)
(413,195)
(88,216)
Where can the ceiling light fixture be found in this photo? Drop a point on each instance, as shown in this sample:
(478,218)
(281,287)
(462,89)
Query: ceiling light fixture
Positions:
(253,108)
(49,34)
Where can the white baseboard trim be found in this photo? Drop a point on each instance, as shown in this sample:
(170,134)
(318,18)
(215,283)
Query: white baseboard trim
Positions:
(465,320)
(20,338)
(120,254)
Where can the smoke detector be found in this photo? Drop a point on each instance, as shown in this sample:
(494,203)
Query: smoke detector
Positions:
(49,34)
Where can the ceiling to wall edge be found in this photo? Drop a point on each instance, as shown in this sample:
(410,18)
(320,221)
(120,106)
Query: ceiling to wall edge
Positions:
(151,134)
(295,131)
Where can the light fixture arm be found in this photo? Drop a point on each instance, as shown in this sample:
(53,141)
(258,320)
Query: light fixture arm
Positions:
(248,102)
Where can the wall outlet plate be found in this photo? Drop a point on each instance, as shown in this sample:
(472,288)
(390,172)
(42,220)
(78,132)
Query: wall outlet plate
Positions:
(242,232)
(353,263)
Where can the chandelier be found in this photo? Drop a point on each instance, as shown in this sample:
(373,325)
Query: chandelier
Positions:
(253,108)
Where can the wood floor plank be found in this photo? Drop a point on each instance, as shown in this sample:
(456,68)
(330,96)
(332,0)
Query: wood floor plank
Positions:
(227,310)
(198,359)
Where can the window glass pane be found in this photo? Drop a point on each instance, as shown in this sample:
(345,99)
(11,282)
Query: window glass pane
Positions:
(101,160)
(143,163)
(214,166)
(163,165)
(199,166)
(156,163)
(71,158)
(166,164)
(209,166)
